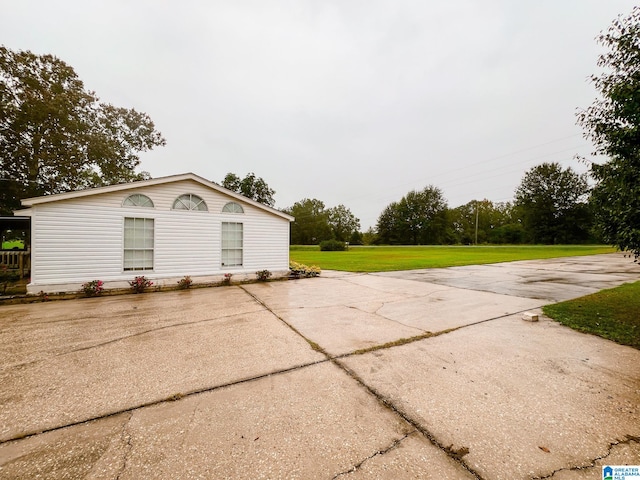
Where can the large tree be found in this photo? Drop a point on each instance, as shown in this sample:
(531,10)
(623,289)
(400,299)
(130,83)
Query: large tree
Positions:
(311,224)
(418,218)
(612,123)
(343,223)
(552,203)
(56,136)
(251,187)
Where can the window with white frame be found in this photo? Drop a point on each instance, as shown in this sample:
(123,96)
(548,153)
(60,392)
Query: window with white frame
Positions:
(189,201)
(232,207)
(231,244)
(138,243)
(137,200)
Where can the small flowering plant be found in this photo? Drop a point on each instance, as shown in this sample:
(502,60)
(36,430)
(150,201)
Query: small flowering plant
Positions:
(263,275)
(140,284)
(93,288)
(298,270)
(226,278)
(185,282)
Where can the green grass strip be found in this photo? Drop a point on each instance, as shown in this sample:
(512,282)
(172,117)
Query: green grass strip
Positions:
(613,314)
(383,259)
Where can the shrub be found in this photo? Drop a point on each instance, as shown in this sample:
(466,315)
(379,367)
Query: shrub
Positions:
(93,288)
(185,282)
(263,275)
(298,270)
(140,284)
(332,246)
(6,277)
(226,278)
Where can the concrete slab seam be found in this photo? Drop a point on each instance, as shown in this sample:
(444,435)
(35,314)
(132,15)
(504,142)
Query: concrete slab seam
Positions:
(455,454)
(592,463)
(172,398)
(393,445)
(404,341)
(314,346)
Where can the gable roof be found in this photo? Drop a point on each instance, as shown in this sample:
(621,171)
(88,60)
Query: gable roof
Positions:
(29,202)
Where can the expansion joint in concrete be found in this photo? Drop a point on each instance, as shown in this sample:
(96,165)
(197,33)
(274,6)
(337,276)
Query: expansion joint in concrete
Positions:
(455,454)
(592,463)
(172,398)
(311,343)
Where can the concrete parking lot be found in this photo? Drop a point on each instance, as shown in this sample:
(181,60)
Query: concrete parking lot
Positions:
(422,374)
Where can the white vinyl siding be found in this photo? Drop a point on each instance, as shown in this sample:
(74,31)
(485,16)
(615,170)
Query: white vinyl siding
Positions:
(232,242)
(138,243)
(82,239)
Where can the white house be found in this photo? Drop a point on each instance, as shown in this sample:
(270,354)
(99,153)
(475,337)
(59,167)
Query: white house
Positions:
(163,228)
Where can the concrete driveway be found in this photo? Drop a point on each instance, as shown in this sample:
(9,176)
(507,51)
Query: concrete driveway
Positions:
(423,374)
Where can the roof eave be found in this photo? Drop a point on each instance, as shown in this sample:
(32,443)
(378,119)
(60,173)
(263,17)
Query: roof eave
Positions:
(33,201)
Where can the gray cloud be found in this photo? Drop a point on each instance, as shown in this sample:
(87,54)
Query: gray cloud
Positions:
(352,102)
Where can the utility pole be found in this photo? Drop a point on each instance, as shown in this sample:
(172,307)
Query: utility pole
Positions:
(476,223)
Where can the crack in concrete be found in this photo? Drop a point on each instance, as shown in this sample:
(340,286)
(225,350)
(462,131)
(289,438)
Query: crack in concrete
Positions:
(312,344)
(393,445)
(189,425)
(125,437)
(455,455)
(592,463)
(387,318)
(404,295)
(152,403)
(118,339)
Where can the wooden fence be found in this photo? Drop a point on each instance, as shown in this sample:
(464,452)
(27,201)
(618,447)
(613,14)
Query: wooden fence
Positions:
(19,260)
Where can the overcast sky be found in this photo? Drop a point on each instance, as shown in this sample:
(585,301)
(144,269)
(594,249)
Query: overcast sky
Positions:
(350,102)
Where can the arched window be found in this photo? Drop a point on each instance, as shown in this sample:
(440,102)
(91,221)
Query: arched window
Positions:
(189,202)
(232,207)
(137,200)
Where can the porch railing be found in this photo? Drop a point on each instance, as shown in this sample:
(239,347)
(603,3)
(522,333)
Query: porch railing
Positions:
(19,260)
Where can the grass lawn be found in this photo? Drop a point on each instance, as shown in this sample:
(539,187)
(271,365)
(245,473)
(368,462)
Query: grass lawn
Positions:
(612,314)
(10,244)
(382,259)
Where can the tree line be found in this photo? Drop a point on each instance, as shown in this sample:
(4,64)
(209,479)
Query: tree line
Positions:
(551,206)
(57,136)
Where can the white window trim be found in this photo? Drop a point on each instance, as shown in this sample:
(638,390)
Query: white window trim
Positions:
(153,248)
(138,206)
(191,195)
(235,204)
(222,249)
